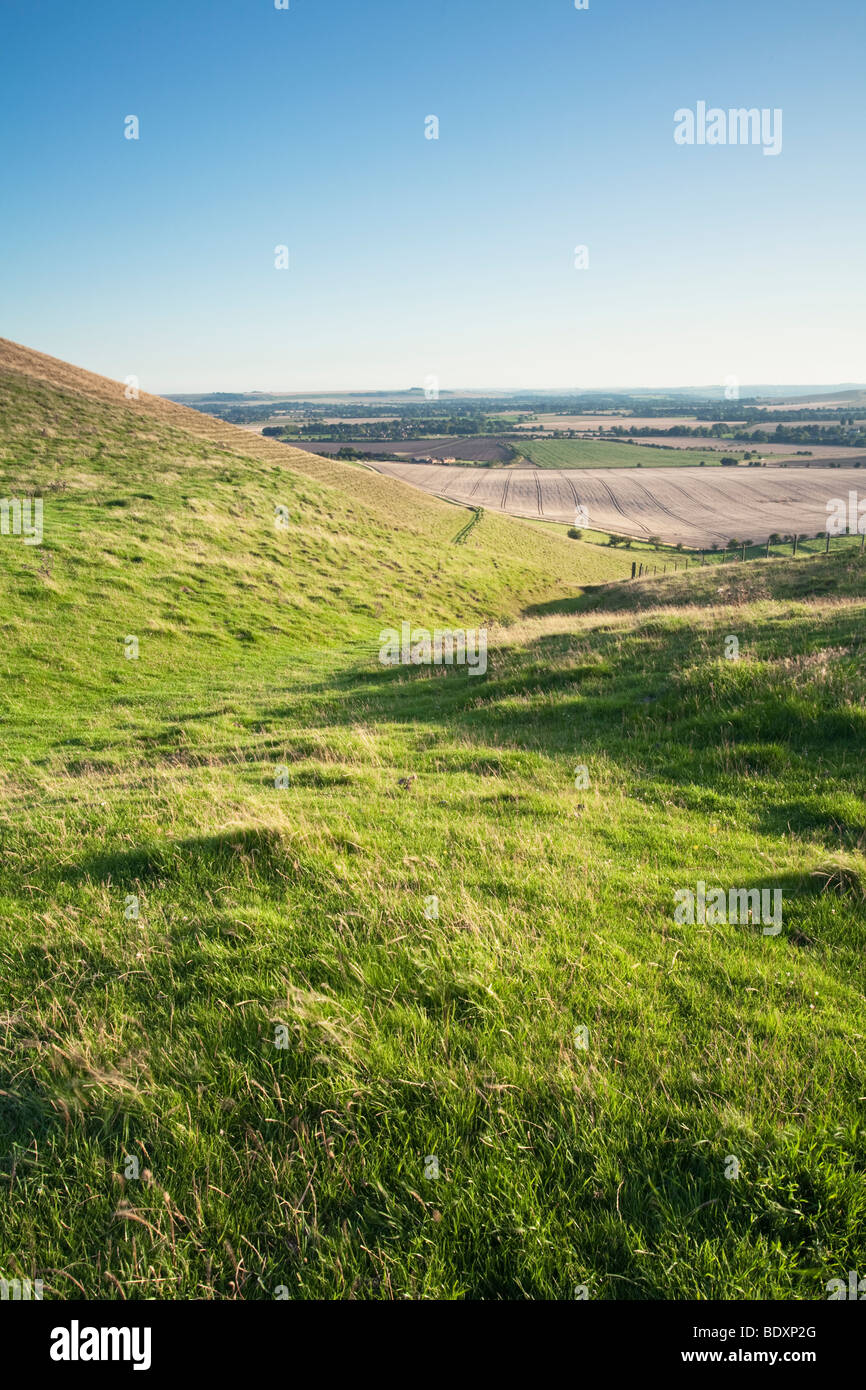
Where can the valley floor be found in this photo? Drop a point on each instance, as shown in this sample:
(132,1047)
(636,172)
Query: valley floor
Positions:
(273,1020)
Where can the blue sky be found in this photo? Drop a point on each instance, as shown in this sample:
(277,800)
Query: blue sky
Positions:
(411,257)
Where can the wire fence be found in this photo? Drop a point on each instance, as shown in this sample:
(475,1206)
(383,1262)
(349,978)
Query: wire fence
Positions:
(774,548)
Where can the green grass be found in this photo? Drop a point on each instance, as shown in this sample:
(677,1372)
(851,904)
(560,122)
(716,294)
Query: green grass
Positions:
(302,907)
(656,554)
(806,546)
(596,453)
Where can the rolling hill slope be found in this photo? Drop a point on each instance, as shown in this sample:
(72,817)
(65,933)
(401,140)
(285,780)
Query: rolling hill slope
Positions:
(181,511)
(330,979)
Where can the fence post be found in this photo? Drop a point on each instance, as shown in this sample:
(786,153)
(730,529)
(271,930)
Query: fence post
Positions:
(827,546)
(795,545)
(633,568)
(862,541)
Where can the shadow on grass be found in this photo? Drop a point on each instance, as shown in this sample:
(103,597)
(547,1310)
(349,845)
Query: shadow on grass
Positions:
(654,699)
(198,857)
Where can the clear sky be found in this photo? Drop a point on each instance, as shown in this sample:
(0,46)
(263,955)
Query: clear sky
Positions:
(410,257)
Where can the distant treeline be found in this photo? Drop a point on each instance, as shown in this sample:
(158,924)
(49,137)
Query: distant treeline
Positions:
(447,417)
(847,434)
(462,426)
(416,407)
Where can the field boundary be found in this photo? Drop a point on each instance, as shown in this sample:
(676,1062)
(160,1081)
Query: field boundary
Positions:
(799,550)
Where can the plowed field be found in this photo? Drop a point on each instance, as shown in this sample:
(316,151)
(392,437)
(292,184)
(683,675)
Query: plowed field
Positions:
(697,506)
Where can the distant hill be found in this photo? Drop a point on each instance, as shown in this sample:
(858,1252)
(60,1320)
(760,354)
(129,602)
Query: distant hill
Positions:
(847,395)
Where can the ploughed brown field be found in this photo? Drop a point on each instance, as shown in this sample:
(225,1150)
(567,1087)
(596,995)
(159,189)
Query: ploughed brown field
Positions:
(699,507)
(480,447)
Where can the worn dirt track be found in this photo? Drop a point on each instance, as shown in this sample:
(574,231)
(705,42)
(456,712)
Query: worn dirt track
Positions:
(697,506)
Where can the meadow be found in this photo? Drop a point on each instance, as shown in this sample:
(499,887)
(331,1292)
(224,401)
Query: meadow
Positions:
(677,452)
(597,453)
(328,980)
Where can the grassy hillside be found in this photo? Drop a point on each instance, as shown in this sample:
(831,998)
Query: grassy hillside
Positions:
(177,515)
(241,784)
(597,453)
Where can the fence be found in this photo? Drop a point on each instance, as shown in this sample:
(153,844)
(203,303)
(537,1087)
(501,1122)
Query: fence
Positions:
(800,545)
